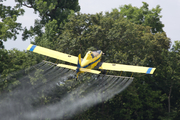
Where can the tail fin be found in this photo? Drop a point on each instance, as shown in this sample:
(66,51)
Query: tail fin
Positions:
(78,66)
(79,61)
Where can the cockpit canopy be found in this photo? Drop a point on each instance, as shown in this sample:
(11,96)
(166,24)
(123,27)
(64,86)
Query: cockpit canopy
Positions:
(92,54)
(96,53)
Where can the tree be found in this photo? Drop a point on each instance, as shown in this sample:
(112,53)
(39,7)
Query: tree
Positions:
(13,61)
(144,16)
(48,10)
(9,28)
(168,80)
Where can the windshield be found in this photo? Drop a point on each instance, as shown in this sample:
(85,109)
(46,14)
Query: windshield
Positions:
(96,53)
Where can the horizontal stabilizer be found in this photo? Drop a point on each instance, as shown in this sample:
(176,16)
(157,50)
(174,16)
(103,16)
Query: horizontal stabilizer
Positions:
(90,70)
(53,53)
(127,68)
(81,69)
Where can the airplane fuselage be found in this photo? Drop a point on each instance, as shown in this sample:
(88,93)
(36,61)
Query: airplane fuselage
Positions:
(91,59)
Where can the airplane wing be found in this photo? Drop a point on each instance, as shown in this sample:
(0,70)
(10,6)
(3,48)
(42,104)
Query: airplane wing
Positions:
(128,68)
(53,53)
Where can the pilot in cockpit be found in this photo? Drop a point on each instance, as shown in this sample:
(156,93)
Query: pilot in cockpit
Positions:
(92,54)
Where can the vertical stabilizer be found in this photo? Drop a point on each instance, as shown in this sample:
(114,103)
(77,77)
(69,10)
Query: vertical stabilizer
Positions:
(79,61)
(78,66)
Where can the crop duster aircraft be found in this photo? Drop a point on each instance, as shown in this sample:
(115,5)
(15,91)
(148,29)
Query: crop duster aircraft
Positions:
(91,60)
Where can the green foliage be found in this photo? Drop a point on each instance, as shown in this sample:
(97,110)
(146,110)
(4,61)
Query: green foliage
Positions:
(49,37)
(48,10)
(13,61)
(168,79)
(144,16)
(38,75)
(9,28)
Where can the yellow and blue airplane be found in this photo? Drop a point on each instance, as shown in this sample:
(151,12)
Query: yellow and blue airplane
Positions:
(91,60)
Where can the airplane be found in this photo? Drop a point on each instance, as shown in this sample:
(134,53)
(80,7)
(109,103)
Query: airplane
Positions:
(91,60)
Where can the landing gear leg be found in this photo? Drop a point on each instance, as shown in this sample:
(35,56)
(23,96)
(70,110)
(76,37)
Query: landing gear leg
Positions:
(77,76)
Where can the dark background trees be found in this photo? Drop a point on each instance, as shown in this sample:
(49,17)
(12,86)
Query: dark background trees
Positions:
(128,35)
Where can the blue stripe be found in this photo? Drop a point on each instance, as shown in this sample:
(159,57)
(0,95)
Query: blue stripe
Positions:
(149,71)
(78,66)
(91,63)
(32,48)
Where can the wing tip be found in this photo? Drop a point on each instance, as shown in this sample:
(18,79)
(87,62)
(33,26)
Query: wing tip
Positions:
(29,47)
(150,70)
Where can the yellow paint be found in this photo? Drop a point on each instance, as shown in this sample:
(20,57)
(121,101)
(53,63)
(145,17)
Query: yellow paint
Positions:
(28,48)
(152,71)
(54,54)
(67,66)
